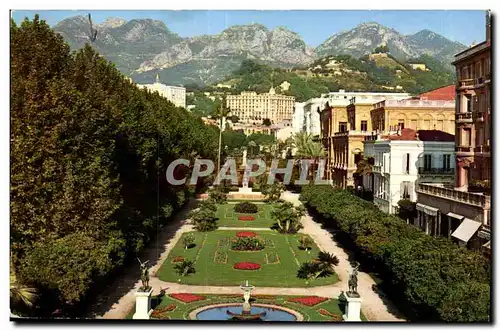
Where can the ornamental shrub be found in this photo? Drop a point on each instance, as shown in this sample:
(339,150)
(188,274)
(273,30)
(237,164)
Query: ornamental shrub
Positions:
(247,244)
(428,277)
(246,208)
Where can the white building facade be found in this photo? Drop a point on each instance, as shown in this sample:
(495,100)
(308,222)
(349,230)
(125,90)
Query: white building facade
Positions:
(399,165)
(174,94)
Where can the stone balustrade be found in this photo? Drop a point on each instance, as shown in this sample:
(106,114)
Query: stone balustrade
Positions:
(479,200)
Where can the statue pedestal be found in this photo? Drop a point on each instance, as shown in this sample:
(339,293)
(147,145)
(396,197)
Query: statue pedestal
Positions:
(143,305)
(245,190)
(353,309)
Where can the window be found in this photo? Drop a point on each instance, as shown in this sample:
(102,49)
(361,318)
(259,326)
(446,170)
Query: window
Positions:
(466,137)
(364,125)
(446,162)
(413,124)
(427,124)
(401,124)
(406,163)
(342,126)
(427,162)
(405,190)
(469,103)
(440,125)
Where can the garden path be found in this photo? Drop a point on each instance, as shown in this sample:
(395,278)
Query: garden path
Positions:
(374,307)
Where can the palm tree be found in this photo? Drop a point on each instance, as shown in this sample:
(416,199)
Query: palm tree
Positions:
(308,148)
(184,268)
(21,296)
(326,262)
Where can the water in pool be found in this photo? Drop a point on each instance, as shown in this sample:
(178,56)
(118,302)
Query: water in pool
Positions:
(220,313)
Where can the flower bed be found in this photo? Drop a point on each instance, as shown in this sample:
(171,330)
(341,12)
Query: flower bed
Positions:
(308,301)
(272,258)
(246,218)
(177,259)
(160,313)
(187,297)
(335,317)
(247,244)
(220,257)
(246,234)
(246,266)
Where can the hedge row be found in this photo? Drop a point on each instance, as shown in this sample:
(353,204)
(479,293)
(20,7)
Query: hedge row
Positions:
(434,279)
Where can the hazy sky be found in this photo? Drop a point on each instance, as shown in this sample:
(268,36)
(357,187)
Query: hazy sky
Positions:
(313,26)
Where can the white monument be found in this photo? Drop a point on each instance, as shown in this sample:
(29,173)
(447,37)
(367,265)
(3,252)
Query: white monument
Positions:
(246,295)
(245,188)
(143,305)
(353,305)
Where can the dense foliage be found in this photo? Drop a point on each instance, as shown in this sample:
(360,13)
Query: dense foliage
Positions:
(246,208)
(89,152)
(432,278)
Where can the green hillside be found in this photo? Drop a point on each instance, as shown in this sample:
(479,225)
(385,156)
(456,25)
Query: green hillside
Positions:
(368,73)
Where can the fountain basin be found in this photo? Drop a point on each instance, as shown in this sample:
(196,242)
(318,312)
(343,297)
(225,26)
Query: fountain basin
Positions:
(218,312)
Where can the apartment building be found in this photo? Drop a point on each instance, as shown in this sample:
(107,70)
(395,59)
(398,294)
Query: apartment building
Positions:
(462,212)
(251,107)
(403,159)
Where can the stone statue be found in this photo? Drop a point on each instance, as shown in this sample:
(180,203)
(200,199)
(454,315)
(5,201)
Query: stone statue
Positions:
(353,280)
(144,274)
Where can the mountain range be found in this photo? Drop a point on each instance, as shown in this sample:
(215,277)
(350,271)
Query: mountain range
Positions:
(141,48)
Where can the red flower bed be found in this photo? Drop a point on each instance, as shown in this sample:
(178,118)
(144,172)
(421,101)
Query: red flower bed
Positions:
(246,266)
(308,301)
(246,218)
(246,234)
(187,297)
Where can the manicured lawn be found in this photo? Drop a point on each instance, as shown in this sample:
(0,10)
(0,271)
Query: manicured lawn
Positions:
(214,261)
(317,313)
(228,217)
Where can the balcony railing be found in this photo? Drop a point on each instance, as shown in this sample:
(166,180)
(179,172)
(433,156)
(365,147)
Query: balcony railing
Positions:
(435,171)
(354,132)
(478,200)
(482,149)
(464,149)
(479,81)
(466,83)
(464,117)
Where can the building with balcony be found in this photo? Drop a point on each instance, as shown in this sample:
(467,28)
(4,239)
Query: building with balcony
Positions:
(253,108)
(404,159)
(462,211)
(344,125)
(175,94)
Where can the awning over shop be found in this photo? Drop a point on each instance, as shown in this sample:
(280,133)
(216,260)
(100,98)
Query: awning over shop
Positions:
(459,217)
(466,230)
(427,209)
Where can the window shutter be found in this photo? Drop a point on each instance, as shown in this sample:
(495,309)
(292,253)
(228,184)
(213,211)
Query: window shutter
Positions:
(401,190)
(411,189)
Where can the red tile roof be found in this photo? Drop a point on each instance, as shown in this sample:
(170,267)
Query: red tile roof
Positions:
(422,135)
(442,93)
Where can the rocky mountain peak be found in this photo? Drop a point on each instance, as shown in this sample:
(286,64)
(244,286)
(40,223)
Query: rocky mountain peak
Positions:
(112,22)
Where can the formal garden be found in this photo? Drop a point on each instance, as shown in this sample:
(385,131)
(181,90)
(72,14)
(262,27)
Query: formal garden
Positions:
(276,255)
(179,306)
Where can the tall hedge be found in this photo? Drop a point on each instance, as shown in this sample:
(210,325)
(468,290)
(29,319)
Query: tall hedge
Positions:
(435,279)
(89,151)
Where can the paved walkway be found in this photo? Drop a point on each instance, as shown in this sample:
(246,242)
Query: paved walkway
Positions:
(373,306)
